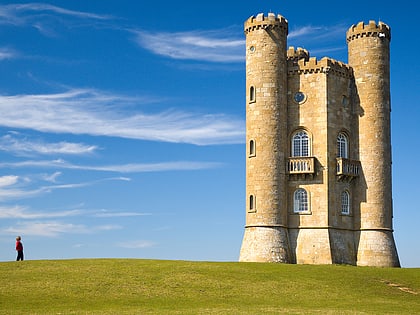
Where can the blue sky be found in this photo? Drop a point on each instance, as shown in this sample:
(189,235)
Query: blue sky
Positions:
(122,123)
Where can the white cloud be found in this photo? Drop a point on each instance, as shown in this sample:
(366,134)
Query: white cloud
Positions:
(303,31)
(8,180)
(51,177)
(55,228)
(6,53)
(23,213)
(16,193)
(121,168)
(30,13)
(19,212)
(7,192)
(81,111)
(46,228)
(319,40)
(213,46)
(25,146)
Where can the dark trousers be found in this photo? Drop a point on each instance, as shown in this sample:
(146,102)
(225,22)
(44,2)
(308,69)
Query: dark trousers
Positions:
(20,255)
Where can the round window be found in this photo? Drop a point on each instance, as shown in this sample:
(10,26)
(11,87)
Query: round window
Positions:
(299,97)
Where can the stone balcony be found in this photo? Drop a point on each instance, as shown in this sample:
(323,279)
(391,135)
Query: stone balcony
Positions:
(301,165)
(348,169)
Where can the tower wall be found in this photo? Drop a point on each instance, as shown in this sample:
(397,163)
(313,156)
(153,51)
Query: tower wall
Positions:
(368,55)
(266,236)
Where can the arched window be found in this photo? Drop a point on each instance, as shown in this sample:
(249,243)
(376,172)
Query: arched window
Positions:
(252,93)
(342,146)
(300,144)
(345,202)
(251,148)
(251,203)
(300,201)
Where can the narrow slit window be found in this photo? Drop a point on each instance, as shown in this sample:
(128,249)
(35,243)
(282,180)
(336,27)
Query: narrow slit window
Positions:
(251,203)
(251,147)
(252,93)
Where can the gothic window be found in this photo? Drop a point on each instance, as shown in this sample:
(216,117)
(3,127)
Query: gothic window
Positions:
(342,146)
(252,203)
(300,201)
(345,203)
(251,148)
(300,144)
(252,94)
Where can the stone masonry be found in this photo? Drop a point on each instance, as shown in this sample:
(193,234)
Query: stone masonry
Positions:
(318,159)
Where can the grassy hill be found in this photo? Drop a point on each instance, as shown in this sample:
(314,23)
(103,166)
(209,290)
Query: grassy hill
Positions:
(136,286)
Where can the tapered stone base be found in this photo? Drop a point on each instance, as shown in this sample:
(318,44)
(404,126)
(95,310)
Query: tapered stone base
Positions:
(265,244)
(376,248)
(310,246)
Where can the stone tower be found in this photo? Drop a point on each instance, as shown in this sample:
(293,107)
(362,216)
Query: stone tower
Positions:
(318,159)
(368,54)
(266,233)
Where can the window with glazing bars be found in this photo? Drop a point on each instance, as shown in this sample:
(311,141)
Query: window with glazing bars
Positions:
(300,144)
(342,146)
(301,200)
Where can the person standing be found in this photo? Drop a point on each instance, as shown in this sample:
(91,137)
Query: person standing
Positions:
(19,249)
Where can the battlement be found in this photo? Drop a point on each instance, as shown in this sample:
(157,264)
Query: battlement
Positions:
(271,21)
(297,54)
(325,65)
(372,29)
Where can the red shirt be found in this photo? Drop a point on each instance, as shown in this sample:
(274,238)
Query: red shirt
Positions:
(19,246)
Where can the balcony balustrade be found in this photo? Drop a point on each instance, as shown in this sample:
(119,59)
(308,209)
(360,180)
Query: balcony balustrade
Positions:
(348,168)
(301,165)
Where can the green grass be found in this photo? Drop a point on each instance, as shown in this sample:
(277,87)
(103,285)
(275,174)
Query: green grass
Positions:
(136,286)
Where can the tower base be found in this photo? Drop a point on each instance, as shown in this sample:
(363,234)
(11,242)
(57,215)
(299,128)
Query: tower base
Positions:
(265,244)
(310,246)
(376,248)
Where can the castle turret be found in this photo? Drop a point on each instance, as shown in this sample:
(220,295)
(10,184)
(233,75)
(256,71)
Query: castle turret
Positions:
(368,55)
(266,236)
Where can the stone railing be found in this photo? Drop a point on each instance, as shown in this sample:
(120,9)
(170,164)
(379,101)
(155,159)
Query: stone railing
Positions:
(346,167)
(301,165)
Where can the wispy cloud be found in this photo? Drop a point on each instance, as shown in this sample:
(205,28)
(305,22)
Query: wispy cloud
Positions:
(319,40)
(7,53)
(23,146)
(54,228)
(51,177)
(304,31)
(38,15)
(19,212)
(24,213)
(213,46)
(11,188)
(8,180)
(119,168)
(82,111)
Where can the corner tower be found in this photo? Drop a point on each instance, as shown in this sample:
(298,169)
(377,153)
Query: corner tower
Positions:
(369,55)
(266,235)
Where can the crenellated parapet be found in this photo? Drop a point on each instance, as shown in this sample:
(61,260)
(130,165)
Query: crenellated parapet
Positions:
(271,21)
(325,65)
(372,29)
(297,54)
